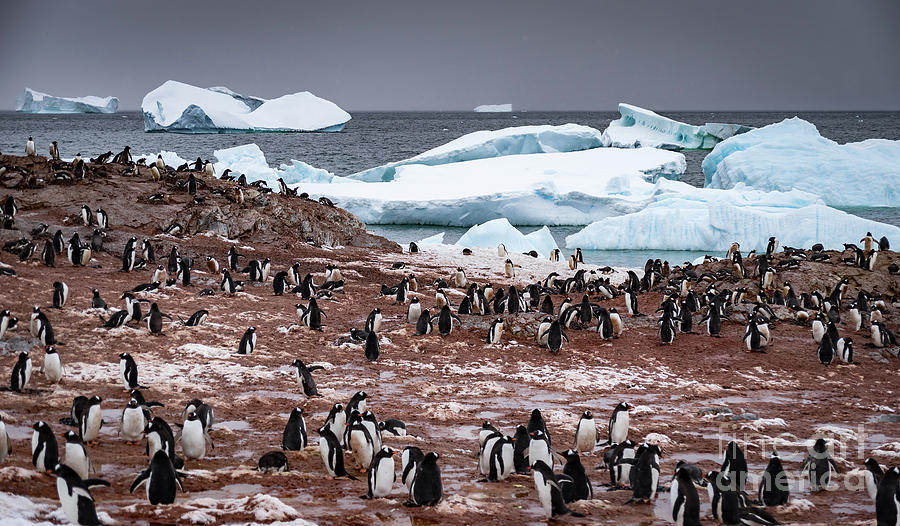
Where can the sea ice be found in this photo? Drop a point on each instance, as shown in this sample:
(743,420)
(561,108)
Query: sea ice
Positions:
(638,127)
(494,108)
(492,233)
(792,154)
(682,217)
(495,143)
(30,101)
(180,107)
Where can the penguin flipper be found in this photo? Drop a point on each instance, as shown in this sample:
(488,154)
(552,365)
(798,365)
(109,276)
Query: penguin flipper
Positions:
(143,477)
(209,440)
(93,483)
(37,453)
(312,368)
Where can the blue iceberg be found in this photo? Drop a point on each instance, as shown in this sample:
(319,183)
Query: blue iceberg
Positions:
(638,127)
(30,101)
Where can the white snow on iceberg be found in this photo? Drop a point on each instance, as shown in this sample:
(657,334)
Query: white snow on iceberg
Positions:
(573,188)
(638,127)
(710,220)
(485,144)
(792,154)
(30,101)
(183,108)
(493,108)
(492,233)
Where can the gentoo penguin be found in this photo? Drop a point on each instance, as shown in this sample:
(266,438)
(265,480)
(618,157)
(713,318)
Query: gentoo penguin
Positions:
(305,378)
(102,219)
(555,335)
(21,373)
(357,402)
(212,265)
(820,466)
(294,436)
(487,430)
(29,147)
(134,421)
(618,424)
(536,422)
(873,475)
(204,413)
(539,449)
(54,151)
(332,454)
(774,487)
(52,366)
(161,479)
(335,422)
(373,321)
(619,459)
(360,441)
(393,427)
(484,455)
(554,255)
(423,324)
(684,501)
(312,316)
(409,464)
(159,162)
(645,473)
(887,499)
(196,319)
(440,299)
(753,338)
(5,443)
(426,488)
(618,327)
(128,372)
(580,487)
(60,294)
(44,450)
(279,282)
(826,349)
(382,474)
(160,438)
(248,341)
(586,433)
(75,496)
(844,349)
(194,438)
(48,254)
(548,488)
(500,463)
(713,319)
(87,215)
(459,278)
(501,250)
(413,311)
(372,347)
(510,269)
(91,420)
(7,322)
(76,454)
(332,273)
(154,319)
(495,332)
(573,262)
(445,321)
(735,465)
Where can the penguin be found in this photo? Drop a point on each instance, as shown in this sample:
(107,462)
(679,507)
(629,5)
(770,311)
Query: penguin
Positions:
(194,438)
(331,452)
(495,332)
(52,366)
(735,465)
(248,341)
(774,487)
(360,441)
(459,278)
(413,247)
(873,476)
(753,338)
(373,347)
(279,283)
(539,449)
(413,311)
(154,319)
(819,466)
(486,448)
(160,438)
(510,269)
(445,321)
(233,258)
(21,373)
(826,350)
(440,298)
(382,474)
(305,378)
(618,326)
(844,350)
(196,319)
(887,499)
(102,219)
(393,426)
(44,450)
(618,424)
(501,250)
(554,255)
(586,433)
(549,491)
(91,420)
(134,421)
(76,454)
(335,422)
(7,322)
(29,147)
(48,254)
(128,372)
(500,463)
(75,496)
(410,459)
(580,487)
(555,335)
(294,436)
(332,273)
(620,459)
(373,321)
(204,413)
(312,316)
(5,443)
(426,488)
(684,501)
(161,479)
(357,402)
(631,303)
(423,324)
(54,151)
(645,473)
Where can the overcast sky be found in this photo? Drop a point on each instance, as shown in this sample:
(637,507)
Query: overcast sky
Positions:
(454,55)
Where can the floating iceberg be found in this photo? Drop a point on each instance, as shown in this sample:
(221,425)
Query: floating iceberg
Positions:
(498,143)
(30,101)
(638,127)
(494,232)
(573,188)
(704,219)
(494,108)
(792,154)
(437,239)
(179,107)
(247,159)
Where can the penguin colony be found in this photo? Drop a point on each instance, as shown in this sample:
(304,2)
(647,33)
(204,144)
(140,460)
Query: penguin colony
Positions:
(351,436)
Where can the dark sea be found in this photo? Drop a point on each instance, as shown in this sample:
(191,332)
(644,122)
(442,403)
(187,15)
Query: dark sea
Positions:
(374,138)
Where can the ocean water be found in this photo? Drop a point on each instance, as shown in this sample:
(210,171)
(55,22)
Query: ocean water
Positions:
(374,138)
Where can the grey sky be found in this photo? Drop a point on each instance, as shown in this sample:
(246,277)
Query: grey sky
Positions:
(422,55)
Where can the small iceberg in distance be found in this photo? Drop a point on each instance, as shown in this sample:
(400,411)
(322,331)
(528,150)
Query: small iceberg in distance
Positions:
(638,127)
(494,232)
(493,108)
(182,108)
(30,101)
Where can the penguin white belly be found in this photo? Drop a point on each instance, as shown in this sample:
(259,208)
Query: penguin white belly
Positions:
(506,454)
(384,478)
(77,460)
(543,490)
(337,427)
(764,330)
(193,442)
(484,461)
(619,431)
(654,481)
(122,374)
(818,330)
(871,486)
(68,501)
(133,424)
(325,451)
(677,516)
(27,374)
(154,444)
(362,449)
(586,436)
(92,425)
(538,450)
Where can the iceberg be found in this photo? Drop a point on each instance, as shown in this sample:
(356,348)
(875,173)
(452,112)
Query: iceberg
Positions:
(542,241)
(437,239)
(182,108)
(493,108)
(572,188)
(792,154)
(638,127)
(494,232)
(30,101)
(247,159)
(486,144)
(710,220)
